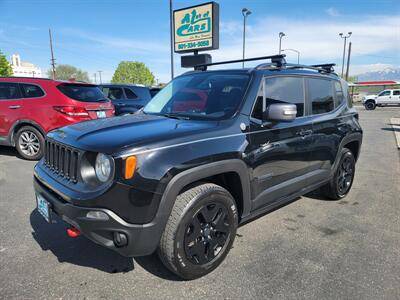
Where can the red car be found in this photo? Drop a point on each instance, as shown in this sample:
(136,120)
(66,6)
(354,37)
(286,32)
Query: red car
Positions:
(31,107)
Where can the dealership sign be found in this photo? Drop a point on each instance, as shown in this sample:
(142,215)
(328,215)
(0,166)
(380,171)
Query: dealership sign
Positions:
(196,27)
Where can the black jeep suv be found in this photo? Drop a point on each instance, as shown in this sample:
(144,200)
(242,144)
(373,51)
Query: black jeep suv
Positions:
(211,151)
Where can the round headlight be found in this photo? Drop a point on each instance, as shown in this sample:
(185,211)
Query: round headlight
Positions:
(103,167)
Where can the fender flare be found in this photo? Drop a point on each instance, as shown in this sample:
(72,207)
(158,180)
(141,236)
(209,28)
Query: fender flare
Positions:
(179,181)
(23,121)
(352,137)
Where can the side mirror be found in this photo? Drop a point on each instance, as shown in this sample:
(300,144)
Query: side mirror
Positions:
(280,112)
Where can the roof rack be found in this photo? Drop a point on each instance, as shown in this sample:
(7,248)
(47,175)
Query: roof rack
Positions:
(278,60)
(323,68)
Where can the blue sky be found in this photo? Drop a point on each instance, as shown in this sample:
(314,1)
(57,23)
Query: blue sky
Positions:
(97,34)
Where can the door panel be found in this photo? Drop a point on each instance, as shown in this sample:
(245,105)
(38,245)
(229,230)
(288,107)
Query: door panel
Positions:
(279,159)
(278,151)
(10,106)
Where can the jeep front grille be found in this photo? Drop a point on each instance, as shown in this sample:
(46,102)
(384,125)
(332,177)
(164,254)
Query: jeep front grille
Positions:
(62,160)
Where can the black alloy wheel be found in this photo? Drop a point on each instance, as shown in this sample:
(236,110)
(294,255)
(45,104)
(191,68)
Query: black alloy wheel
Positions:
(207,233)
(345,175)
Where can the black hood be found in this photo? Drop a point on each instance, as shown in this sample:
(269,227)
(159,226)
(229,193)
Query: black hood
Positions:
(116,134)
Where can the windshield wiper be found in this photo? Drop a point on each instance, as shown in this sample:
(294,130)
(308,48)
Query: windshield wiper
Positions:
(175,116)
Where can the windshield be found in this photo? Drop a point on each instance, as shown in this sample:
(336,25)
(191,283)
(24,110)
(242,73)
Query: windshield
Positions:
(200,96)
(82,92)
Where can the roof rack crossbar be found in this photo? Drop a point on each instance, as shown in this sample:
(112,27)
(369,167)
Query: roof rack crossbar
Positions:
(277,59)
(327,68)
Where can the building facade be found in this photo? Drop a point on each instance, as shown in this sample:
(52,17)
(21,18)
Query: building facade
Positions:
(23,68)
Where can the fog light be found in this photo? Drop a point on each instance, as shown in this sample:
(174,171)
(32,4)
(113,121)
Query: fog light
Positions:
(120,239)
(97,215)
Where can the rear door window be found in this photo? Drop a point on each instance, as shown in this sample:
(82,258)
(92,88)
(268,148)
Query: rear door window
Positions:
(396,93)
(113,93)
(321,97)
(9,91)
(31,91)
(82,92)
(129,94)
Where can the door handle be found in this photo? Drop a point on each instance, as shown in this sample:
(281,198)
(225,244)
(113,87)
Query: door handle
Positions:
(305,133)
(14,106)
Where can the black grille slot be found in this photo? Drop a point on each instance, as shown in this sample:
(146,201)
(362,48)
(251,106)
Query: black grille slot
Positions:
(62,160)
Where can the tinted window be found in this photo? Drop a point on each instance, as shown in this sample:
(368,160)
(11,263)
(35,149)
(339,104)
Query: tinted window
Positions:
(385,93)
(201,96)
(113,93)
(339,93)
(9,91)
(81,92)
(396,93)
(258,106)
(154,91)
(285,90)
(321,95)
(129,94)
(31,91)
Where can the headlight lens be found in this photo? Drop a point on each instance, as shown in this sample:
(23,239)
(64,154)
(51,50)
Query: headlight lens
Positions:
(103,167)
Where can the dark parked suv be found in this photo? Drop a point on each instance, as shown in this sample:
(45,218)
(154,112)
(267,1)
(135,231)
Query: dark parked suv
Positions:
(211,151)
(127,98)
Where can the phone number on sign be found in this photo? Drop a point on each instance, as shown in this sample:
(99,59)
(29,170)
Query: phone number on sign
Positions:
(191,45)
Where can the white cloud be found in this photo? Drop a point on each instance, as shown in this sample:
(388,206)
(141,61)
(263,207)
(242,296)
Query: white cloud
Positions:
(317,40)
(333,12)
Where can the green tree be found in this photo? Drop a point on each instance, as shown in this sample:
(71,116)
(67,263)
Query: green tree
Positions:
(5,67)
(133,72)
(66,72)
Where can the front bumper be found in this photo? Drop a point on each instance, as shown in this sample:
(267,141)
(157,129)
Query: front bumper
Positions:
(142,239)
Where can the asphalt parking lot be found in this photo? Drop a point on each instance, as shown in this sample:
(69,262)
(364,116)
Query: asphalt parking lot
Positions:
(310,249)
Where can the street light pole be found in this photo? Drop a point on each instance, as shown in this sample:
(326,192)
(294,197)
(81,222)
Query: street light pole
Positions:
(281,35)
(294,50)
(345,37)
(245,12)
(100,76)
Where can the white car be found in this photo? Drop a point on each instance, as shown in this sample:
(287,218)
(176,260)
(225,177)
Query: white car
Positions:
(384,98)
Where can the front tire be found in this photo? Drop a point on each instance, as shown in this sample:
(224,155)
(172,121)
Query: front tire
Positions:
(340,185)
(370,105)
(29,143)
(200,231)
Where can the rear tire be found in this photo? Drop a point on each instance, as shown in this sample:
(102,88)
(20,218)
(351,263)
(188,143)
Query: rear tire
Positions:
(370,105)
(29,143)
(200,231)
(339,186)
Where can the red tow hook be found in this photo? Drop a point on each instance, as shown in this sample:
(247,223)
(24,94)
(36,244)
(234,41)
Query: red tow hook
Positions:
(73,232)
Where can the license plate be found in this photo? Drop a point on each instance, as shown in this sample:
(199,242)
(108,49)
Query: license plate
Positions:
(101,114)
(43,207)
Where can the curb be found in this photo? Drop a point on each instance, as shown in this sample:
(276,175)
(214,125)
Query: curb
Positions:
(395,122)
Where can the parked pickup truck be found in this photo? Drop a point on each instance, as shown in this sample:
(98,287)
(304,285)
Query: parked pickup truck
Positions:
(212,150)
(384,98)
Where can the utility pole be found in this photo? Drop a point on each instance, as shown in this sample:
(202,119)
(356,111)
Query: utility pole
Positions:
(171,25)
(53,61)
(100,76)
(245,12)
(95,77)
(345,37)
(348,62)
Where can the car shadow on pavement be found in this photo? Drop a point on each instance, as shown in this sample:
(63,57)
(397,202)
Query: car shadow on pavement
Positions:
(83,252)
(391,129)
(9,151)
